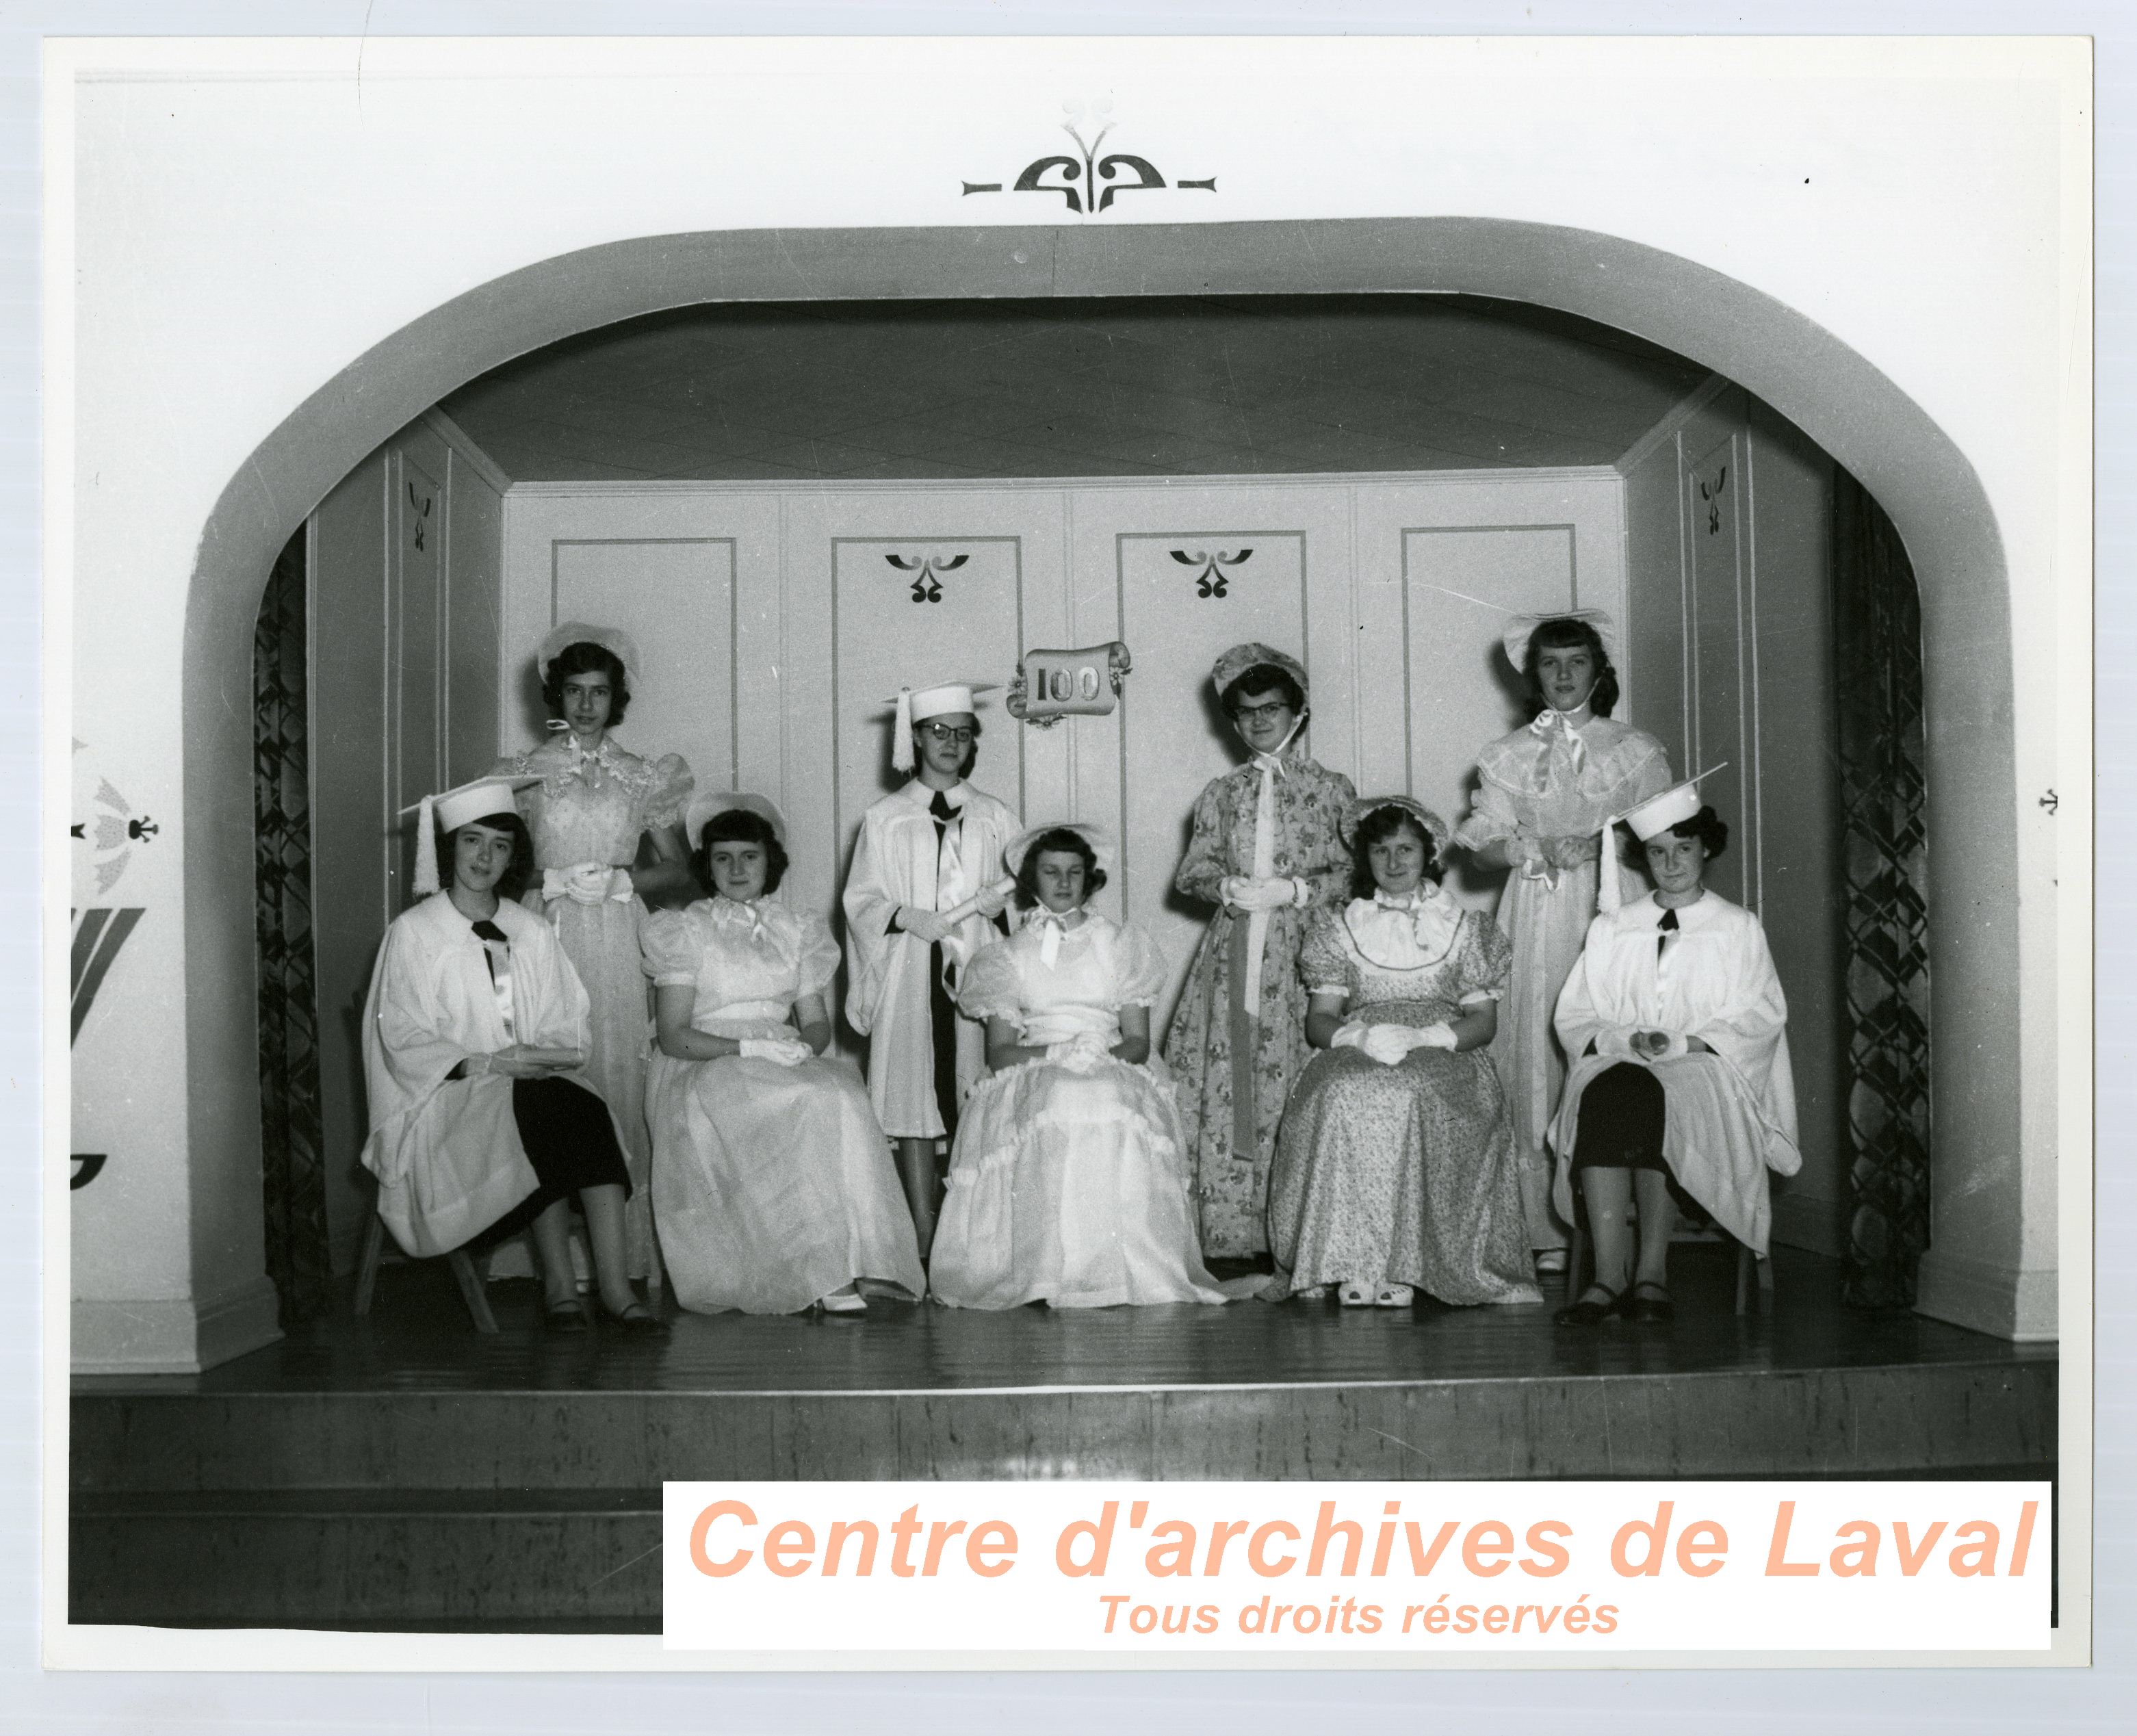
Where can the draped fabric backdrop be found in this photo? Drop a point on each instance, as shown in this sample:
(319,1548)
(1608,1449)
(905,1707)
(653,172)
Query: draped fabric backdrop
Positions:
(299,1255)
(1876,619)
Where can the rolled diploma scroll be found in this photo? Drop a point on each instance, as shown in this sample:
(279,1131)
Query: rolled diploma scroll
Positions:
(956,951)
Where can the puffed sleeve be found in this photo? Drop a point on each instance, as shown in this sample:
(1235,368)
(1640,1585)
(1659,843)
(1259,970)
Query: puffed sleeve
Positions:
(670,794)
(1648,776)
(992,987)
(1487,961)
(1139,970)
(1325,966)
(671,949)
(1202,869)
(1491,818)
(816,965)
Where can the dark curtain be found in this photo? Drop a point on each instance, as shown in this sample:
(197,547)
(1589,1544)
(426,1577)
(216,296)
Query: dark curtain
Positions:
(299,1257)
(1877,618)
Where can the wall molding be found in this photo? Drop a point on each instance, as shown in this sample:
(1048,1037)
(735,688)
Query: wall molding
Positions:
(174,1335)
(816,486)
(1672,418)
(2013,1302)
(458,437)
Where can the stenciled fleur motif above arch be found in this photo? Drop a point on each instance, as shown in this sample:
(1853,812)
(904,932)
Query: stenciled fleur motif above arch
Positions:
(926,582)
(1088,182)
(1211,580)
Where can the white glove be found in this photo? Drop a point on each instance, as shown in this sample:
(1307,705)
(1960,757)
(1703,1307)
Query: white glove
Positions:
(1387,1043)
(780,1051)
(1244,892)
(924,926)
(1350,1036)
(1431,1037)
(587,883)
(992,902)
(1080,1054)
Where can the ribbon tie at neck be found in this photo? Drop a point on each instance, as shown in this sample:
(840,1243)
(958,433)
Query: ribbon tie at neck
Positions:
(728,912)
(1560,732)
(1271,766)
(583,761)
(1052,925)
(1404,933)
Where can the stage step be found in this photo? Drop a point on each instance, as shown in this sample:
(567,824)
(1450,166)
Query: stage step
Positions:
(367,1558)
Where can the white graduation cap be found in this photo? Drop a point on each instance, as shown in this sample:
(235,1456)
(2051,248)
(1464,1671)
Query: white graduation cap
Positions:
(447,810)
(1651,818)
(917,705)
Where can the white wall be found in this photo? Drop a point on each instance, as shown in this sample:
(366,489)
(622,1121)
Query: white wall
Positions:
(1729,535)
(773,624)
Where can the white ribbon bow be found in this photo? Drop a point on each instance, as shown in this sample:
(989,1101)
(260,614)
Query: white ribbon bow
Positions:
(1271,767)
(1052,925)
(556,884)
(1555,729)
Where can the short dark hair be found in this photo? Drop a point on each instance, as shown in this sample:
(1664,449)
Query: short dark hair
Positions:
(1383,822)
(1059,838)
(513,882)
(583,657)
(1708,827)
(1263,678)
(1563,634)
(739,825)
(971,753)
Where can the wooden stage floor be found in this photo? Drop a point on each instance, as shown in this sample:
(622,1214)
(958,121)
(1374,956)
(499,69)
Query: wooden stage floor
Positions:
(371,1473)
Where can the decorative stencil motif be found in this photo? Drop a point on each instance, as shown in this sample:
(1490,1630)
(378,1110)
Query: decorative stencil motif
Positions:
(1711,493)
(926,582)
(1878,638)
(419,511)
(115,833)
(1210,579)
(1088,182)
(292,1152)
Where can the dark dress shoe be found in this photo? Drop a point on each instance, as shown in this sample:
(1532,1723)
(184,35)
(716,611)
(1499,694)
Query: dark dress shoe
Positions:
(564,1317)
(1585,1313)
(635,1321)
(1649,1304)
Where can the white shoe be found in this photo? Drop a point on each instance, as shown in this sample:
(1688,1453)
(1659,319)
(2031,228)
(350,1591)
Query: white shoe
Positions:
(1550,1262)
(848,1300)
(1394,1295)
(1356,1296)
(1313,1293)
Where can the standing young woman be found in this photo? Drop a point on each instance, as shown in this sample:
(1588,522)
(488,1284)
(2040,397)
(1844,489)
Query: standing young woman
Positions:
(474,1040)
(774,1190)
(1267,847)
(595,812)
(1676,1016)
(924,852)
(1543,794)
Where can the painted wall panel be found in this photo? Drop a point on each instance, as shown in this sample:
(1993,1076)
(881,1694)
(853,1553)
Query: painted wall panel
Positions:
(475,565)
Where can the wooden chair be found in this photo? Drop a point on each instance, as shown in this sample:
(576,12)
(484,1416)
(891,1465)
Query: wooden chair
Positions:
(1747,1262)
(465,1274)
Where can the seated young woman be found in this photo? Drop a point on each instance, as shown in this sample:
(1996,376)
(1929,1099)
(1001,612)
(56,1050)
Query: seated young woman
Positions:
(1069,1180)
(1395,1169)
(474,1037)
(1681,1080)
(773,1188)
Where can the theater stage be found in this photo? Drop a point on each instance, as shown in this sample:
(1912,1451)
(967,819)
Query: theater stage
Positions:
(402,1471)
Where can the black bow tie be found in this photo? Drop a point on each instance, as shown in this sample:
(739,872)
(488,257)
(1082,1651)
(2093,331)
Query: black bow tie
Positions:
(486,930)
(1666,927)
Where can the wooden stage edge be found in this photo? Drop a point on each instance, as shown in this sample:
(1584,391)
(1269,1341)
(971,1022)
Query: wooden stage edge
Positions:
(382,1472)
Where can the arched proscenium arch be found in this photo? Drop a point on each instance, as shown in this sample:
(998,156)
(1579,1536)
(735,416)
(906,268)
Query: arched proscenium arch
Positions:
(1834,393)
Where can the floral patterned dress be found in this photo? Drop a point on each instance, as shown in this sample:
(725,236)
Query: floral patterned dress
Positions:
(1538,784)
(1402,1175)
(594,807)
(1234,1069)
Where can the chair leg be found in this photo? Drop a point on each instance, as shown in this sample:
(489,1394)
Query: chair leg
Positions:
(1766,1286)
(1745,1261)
(1576,1254)
(656,1270)
(471,1291)
(366,1265)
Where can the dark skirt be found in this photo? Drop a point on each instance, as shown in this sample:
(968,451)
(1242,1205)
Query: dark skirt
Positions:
(1621,1121)
(571,1143)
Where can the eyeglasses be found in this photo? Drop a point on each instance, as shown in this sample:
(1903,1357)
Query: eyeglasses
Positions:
(948,733)
(1268,713)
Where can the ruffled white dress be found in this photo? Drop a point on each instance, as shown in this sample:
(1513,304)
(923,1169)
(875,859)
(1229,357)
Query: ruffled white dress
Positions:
(1068,1182)
(772,1186)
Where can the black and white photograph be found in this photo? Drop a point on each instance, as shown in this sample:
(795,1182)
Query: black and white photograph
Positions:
(856,761)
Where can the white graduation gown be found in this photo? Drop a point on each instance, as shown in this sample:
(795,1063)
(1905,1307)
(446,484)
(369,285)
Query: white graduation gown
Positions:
(447,1152)
(895,862)
(1730,1116)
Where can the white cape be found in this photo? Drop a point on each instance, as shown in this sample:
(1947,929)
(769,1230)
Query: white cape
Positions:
(447,1152)
(1730,1116)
